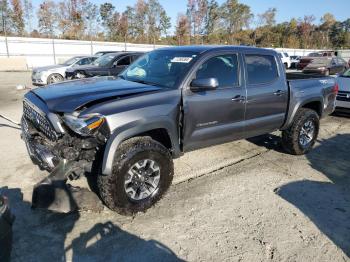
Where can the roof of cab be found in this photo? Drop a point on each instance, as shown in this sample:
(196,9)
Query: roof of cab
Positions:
(207,48)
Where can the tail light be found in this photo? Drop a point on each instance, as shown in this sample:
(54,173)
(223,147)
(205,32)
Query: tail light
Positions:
(336,88)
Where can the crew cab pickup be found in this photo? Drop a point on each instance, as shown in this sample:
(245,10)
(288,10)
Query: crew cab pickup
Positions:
(126,130)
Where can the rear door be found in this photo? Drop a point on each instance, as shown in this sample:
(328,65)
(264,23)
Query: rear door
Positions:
(267,94)
(215,116)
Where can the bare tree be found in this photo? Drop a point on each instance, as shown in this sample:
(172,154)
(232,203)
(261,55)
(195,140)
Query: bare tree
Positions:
(47,19)
(17,17)
(235,17)
(182,29)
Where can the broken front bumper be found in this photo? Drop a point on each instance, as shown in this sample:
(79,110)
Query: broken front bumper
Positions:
(39,154)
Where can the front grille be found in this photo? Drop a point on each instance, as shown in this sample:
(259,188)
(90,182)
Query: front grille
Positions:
(343,96)
(39,121)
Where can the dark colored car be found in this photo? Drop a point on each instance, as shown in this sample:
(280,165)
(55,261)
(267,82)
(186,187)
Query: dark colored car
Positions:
(168,102)
(6,221)
(107,65)
(304,61)
(326,66)
(101,53)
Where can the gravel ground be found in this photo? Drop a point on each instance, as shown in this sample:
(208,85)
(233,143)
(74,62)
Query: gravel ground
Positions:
(242,201)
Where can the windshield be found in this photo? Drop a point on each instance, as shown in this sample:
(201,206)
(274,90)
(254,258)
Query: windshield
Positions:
(103,60)
(346,73)
(160,67)
(71,61)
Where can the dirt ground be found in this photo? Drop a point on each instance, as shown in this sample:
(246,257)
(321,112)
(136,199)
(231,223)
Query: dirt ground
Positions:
(242,201)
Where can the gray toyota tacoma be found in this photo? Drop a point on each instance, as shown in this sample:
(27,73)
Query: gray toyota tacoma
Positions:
(126,130)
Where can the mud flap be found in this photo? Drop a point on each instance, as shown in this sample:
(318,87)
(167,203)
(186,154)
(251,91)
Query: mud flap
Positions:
(54,194)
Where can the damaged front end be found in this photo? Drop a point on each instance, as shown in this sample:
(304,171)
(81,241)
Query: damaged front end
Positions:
(66,155)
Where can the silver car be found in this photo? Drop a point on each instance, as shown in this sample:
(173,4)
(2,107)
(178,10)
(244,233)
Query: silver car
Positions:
(343,97)
(55,73)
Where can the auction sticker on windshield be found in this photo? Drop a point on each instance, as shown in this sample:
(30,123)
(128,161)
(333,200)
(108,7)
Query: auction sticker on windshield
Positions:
(181,59)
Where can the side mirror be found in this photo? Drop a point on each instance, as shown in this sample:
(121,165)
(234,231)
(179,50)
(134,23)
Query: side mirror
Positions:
(204,84)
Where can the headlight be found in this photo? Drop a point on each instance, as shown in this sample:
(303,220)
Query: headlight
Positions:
(86,125)
(321,68)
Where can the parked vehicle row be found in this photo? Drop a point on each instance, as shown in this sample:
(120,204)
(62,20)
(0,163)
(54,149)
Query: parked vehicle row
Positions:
(168,102)
(326,66)
(110,64)
(55,73)
(101,64)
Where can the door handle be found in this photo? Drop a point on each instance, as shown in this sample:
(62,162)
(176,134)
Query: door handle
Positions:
(278,93)
(238,98)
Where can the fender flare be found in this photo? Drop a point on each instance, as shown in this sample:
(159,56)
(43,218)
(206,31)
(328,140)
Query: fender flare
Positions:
(299,105)
(132,129)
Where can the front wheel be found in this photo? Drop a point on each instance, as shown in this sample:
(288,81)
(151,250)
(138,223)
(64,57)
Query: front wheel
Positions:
(54,78)
(142,172)
(301,136)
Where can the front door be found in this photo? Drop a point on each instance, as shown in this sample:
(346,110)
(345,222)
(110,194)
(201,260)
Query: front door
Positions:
(215,116)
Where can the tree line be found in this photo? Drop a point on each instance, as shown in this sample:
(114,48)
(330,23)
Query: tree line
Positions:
(203,22)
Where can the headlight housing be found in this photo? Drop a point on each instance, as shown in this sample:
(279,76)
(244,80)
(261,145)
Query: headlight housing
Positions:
(86,125)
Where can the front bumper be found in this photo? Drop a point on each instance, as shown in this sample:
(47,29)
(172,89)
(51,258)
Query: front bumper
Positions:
(343,99)
(342,104)
(40,154)
(39,80)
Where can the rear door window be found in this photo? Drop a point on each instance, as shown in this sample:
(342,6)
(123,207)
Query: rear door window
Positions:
(261,69)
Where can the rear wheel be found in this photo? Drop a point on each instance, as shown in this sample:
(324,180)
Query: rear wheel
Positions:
(54,78)
(142,172)
(301,136)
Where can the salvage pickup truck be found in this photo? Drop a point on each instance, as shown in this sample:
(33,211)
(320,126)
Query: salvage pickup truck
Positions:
(126,130)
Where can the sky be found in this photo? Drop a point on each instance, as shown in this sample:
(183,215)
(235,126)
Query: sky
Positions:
(286,9)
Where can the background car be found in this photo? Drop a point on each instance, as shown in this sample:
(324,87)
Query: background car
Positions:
(326,66)
(294,61)
(343,97)
(285,59)
(101,53)
(107,65)
(6,221)
(55,73)
(304,61)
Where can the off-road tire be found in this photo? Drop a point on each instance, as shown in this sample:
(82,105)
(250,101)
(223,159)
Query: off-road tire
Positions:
(290,136)
(111,187)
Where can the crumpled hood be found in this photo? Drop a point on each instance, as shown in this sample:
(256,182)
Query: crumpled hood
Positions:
(67,97)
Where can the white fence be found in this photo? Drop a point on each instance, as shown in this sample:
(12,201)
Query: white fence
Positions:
(35,52)
(41,52)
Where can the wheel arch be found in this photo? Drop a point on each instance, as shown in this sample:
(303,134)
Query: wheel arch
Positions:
(315,104)
(161,130)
